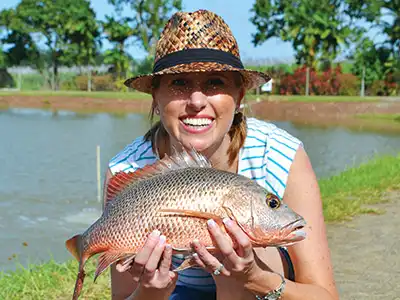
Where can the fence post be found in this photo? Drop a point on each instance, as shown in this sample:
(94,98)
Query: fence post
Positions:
(98,173)
(307,80)
(362,92)
(89,83)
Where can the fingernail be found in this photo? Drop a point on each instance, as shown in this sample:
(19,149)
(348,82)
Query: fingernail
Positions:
(156,233)
(211,223)
(196,242)
(162,239)
(227,221)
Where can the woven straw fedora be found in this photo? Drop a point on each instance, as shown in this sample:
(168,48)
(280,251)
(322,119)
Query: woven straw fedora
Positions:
(197,41)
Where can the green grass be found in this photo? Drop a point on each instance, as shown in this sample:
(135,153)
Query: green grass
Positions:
(314,98)
(53,280)
(386,117)
(344,196)
(134,95)
(104,95)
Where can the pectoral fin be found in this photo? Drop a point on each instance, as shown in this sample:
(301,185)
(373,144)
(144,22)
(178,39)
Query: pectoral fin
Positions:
(188,263)
(192,214)
(108,258)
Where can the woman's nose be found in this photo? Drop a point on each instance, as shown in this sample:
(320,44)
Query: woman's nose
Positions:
(197,100)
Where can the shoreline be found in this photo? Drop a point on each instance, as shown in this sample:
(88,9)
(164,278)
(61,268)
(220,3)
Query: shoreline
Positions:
(303,113)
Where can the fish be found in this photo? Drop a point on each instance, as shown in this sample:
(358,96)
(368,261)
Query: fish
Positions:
(176,196)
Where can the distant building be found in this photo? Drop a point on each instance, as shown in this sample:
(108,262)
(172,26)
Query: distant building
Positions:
(267,87)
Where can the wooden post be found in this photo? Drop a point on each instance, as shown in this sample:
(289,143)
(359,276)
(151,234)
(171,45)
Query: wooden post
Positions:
(98,173)
(362,92)
(307,81)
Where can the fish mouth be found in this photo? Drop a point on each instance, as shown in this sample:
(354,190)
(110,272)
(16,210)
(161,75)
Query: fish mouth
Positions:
(289,234)
(297,224)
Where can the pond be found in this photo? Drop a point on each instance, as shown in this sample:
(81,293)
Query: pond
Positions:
(48,187)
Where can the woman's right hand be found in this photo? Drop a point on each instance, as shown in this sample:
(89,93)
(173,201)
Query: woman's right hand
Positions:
(152,282)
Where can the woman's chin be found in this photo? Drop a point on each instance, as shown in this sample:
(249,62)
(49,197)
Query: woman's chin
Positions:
(197,144)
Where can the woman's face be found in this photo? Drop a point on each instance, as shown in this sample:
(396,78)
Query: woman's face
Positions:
(197,109)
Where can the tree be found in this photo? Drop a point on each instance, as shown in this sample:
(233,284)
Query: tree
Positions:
(149,18)
(381,59)
(118,32)
(316,29)
(68,29)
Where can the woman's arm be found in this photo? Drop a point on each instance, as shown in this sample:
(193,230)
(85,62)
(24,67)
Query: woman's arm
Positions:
(311,257)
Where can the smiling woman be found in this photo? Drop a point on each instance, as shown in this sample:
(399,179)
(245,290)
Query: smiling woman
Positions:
(197,85)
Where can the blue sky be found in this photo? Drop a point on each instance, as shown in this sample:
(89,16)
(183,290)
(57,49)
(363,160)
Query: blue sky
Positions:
(235,13)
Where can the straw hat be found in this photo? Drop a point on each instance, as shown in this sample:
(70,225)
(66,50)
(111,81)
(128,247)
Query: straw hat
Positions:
(197,41)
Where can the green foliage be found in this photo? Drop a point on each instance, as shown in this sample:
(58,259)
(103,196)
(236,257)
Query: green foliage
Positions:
(68,28)
(149,18)
(317,29)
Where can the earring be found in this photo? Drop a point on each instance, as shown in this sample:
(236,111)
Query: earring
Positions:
(157,111)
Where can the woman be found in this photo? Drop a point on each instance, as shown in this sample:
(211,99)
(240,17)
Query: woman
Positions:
(197,84)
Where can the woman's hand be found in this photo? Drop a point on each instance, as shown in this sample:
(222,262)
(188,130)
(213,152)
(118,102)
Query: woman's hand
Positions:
(237,261)
(151,269)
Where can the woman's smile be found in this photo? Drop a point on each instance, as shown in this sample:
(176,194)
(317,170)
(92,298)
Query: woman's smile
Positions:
(197,124)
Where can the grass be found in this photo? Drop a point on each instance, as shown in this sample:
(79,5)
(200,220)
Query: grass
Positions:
(384,117)
(53,280)
(298,98)
(347,194)
(104,95)
(344,196)
(134,95)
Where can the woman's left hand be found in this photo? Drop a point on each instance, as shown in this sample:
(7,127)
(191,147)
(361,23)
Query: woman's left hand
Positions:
(238,262)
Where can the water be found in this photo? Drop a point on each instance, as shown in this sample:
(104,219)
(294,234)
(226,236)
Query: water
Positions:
(48,172)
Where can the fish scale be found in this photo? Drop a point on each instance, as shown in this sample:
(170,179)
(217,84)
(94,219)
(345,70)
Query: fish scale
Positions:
(177,196)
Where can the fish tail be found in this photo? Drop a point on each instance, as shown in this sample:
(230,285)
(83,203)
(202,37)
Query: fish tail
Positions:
(74,246)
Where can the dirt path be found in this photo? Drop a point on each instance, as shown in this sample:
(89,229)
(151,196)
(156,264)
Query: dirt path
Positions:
(366,254)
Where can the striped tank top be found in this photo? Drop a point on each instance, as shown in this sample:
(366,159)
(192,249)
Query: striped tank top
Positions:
(266,157)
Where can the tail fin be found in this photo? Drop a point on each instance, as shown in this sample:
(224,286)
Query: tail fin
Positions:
(74,246)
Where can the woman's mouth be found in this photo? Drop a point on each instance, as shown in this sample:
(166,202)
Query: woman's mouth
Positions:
(197,124)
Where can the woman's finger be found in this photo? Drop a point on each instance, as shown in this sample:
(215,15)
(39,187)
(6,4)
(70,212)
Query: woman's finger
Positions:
(155,257)
(166,260)
(209,261)
(223,242)
(243,242)
(143,255)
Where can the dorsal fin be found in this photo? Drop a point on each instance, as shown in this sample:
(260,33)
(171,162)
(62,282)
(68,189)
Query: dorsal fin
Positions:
(179,160)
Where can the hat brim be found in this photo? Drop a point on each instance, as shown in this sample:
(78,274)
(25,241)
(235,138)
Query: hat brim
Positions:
(251,79)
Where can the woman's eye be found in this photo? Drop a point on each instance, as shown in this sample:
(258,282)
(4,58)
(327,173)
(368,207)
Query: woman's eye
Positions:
(215,82)
(179,82)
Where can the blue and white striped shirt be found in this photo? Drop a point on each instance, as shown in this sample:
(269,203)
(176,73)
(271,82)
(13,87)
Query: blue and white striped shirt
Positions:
(266,157)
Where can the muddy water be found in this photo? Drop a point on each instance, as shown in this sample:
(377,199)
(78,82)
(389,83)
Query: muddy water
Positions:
(48,171)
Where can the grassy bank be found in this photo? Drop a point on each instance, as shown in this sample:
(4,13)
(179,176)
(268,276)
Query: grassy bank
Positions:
(380,117)
(74,94)
(344,196)
(137,95)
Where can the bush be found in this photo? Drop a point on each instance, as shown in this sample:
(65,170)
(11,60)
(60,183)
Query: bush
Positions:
(330,82)
(99,82)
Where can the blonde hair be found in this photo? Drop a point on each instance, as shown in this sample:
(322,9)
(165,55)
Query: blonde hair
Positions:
(237,132)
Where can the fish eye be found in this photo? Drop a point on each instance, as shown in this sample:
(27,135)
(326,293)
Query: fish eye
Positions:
(273,201)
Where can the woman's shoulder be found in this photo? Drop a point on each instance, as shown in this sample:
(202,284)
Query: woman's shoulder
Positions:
(135,155)
(260,131)
(267,154)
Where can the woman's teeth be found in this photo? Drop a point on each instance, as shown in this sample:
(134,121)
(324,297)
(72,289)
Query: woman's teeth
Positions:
(197,122)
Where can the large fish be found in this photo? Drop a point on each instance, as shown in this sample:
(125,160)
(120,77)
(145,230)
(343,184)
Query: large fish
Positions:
(177,195)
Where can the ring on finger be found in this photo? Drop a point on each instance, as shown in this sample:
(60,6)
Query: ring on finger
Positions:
(218,270)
